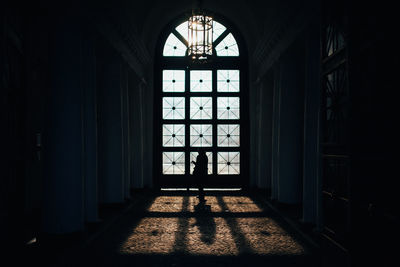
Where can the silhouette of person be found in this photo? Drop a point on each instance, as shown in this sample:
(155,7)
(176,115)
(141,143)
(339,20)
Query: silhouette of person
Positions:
(200,172)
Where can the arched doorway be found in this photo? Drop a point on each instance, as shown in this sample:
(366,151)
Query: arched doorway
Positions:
(201,105)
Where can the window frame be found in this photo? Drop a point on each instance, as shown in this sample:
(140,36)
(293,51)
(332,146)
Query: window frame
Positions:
(217,63)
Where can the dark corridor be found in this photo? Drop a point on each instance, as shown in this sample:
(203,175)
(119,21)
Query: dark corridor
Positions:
(101,104)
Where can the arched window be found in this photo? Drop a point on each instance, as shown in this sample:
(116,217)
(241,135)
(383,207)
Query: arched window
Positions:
(200,105)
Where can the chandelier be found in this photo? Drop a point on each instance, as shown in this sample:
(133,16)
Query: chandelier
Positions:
(200,36)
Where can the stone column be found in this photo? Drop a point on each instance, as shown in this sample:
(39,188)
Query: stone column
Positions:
(90,128)
(290,150)
(63,187)
(125,131)
(136,133)
(265,132)
(311,126)
(111,181)
(275,131)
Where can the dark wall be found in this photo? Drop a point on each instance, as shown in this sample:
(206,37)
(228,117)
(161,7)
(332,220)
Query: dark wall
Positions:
(374,83)
(23,81)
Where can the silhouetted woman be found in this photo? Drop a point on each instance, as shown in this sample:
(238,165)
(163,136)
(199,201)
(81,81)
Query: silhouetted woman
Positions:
(200,172)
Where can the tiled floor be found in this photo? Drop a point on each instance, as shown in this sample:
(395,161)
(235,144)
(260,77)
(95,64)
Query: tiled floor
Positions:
(174,229)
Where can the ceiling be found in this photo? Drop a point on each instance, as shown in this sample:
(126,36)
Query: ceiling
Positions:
(261,22)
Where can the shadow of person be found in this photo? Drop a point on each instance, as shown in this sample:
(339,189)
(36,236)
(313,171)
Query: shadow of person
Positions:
(205,222)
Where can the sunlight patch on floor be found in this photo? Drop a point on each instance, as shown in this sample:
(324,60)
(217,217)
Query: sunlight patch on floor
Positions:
(152,235)
(241,204)
(266,237)
(223,226)
(210,236)
(231,204)
(167,204)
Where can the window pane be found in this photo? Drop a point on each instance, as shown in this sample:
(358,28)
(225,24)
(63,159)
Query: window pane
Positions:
(227,47)
(200,108)
(173,135)
(193,157)
(173,163)
(228,135)
(228,80)
(183,29)
(173,81)
(173,108)
(174,47)
(218,29)
(201,135)
(228,163)
(228,108)
(201,81)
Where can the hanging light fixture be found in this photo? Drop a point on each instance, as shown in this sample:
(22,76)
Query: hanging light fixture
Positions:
(200,35)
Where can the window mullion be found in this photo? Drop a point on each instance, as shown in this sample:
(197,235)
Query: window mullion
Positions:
(187,122)
(214,119)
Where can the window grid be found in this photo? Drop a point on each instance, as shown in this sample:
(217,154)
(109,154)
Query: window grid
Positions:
(228,163)
(228,108)
(215,119)
(200,108)
(173,108)
(228,135)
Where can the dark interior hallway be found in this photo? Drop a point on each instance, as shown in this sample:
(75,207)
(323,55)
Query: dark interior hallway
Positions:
(105,102)
(171,228)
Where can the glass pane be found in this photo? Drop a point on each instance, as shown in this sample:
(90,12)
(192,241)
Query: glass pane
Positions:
(201,135)
(173,81)
(218,29)
(173,108)
(227,47)
(228,108)
(201,81)
(173,163)
(193,156)
(228,80)
(174,47)
(228,135)
(173,135)
(200,108)
(228,163)
(183,29)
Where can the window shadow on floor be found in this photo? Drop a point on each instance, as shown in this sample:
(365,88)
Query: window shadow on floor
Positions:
(175,229)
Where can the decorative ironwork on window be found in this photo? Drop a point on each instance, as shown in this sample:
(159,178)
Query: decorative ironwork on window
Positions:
(173,135)
(173,108)
(228,163)
(201,135)
(182,29)
(201,81)
(218,29)
(173,81)
(227,47)
(198,37)
(173,163)
(228,108)
(336,105)
(201,108)
(228,135)
(200,103)
(174,47)
(334,39)
(228,81)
